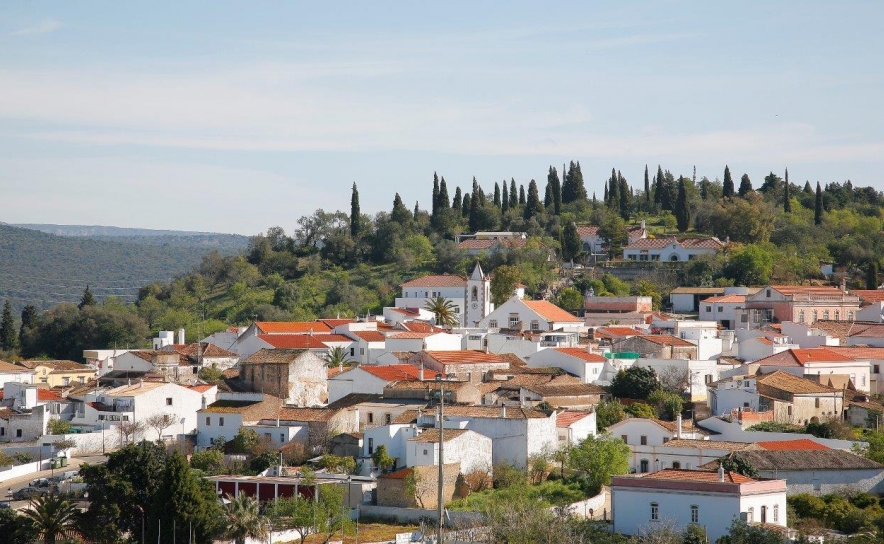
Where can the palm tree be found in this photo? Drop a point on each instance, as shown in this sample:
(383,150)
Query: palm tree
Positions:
(443,309)
(53,517)
(336,356)
(244,520)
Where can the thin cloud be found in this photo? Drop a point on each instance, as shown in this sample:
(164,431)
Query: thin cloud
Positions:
(45,26)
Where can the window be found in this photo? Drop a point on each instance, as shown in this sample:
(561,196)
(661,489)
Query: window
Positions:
(767,294)
(388,419)
(708,379)
(776,513)
(168,401)
(665,439)
(708,308)
(764,514)
(876,369)
(817,403)
(65,381)
(826,314)
(815,315)
(475,293)
(208,421)
(655,512)
(361,351)
(535,326)
(371,417)
(751,515)
(721,308)
(695,513)
(282,437)
(837,315)
(2,431)
(370,446)
(643,440)
(18,433)
(789,410)
(643,465)
(623,438)
(221,421)
(425,451)
(850,315)
(514,321)
(492,324)
(676,465)
(352,352)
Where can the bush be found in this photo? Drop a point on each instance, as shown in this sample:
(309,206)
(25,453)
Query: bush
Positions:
(807,505)
(506,475)
(59,426)
(640,409)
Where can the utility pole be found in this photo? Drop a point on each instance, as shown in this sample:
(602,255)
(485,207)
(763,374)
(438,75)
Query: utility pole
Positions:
(441,495)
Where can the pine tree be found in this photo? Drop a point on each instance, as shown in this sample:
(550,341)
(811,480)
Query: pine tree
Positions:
(553,180)
(355,214)
(818,206)
(514,194)
(28,321)
(505,198)
(456,203)
(87,300)
(8,336)
(521,195)
(400,213)
(571,244)
(787,196)
(532,205)
(807,188)
(465,207)
(435,201)
(682,211)
(496,195)
(659,187)
(727,186)
(444,201)
(745,185)
(647,189)
(625,196)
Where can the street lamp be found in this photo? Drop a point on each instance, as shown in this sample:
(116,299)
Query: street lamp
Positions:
(440,507)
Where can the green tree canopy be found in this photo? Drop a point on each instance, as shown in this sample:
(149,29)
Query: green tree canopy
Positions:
(634,383)
(598,458)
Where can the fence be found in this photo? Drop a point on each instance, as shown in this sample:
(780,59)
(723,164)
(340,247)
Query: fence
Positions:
(23,470)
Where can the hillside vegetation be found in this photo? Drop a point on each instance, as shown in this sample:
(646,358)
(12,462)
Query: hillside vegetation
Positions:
(224,243)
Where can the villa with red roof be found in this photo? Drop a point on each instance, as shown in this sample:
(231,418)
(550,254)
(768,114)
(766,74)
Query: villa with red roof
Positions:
(594,244)
(817,362)
(671,249)
(800,304)
(724,309)
(577,361)
(370,379)
(711,499)
(531,315)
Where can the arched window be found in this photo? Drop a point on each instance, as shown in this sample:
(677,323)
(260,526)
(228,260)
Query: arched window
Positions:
(475,293)
(801,316)
(837,315)
(826,314)
(815,315)
(850,315)
(673,258)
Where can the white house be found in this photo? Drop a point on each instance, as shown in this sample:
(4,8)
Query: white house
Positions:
(594,244)
(393,436)
(531,315)
(574,427)
(681,453)
(671,249)
(724,309)
(370,379)
(580,362)
(14,373)
(733,393)
(712,500)
(471,449)
(223,418)
(471,297)
(636,431)
(417,341)
(819,362)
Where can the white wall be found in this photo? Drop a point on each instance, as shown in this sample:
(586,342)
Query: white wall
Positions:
(472,450)
(354,381)
(588,372)
(504,343)
(210,426)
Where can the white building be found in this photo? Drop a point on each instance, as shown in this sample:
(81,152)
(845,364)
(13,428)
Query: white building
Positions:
(471,449)
(470,297)
(371,379)
(819,362)
(594,244)
(574,427)
(531,315)
(419,341)
(712,500)
(671,249)
(580,362)
(223,418)
(14,373)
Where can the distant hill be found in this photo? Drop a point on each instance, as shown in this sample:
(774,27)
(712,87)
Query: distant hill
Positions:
(44,269)
(224,243)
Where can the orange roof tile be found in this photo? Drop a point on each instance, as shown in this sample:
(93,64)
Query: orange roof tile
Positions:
(464,357)
(858,352)
(550,311)
(685,475)
(566,419)
(291,327)
(611,332)
(581,354)
(42,394)
(800,444)
(667,340)
(420,326)
(393,372)
(201,388)
(800,357)
(407,335)
(369,336)
(726,299)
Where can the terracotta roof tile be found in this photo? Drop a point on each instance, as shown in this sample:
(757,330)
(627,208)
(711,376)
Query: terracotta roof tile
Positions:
(667,340)
(407,335)
(9,367)
(791,445)
(687,243)
(800,357)
(420,326)
(464,357)
(863,353)
(274,356)
(568,418)
(725,299)
(789,383)
(437,281)
(431,436)
(292,327)
(43,395)
(251,411)
(393,372)
(685,475)
(57,366)
(581,354)
(512,412)
(551,312)
(827,459)
(302,341)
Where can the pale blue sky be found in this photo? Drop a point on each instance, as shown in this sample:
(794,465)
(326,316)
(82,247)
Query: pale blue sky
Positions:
(234,117)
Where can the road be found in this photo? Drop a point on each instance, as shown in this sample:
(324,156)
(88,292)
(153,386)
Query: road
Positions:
(11,486)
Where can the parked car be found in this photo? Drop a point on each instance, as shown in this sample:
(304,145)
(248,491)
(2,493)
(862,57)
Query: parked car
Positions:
(4,505)
(41,482)
(26,493)
(62,476)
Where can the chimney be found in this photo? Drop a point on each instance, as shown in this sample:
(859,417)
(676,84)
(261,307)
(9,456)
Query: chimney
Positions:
(678,423)
(181,335)
(503,410)
(720,473)
(422,370)
(643,224)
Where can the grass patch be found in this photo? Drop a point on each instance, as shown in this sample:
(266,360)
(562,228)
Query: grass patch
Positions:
(368,532)
(549,493)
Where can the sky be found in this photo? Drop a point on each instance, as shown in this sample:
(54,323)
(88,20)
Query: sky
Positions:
(236,117)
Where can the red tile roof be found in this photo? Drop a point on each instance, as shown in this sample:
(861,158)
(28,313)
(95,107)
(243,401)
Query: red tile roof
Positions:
(550,311)
(581,354)
(858,352)
(667,340)
(611,332)
(566,419)
(407,335)
(687,243)
(336,322)
(291,327)
(437,281)
(201,388)
(464,357)
(800,444)
(369,336)
(42,394)
(420,326)
(869,295)
(393,372)
(800,357)
(789,290)
(685,475)
(726,299)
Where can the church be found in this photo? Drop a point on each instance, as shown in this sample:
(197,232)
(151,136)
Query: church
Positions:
(470,296)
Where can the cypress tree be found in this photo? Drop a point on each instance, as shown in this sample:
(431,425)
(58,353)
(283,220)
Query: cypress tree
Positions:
(547,196)
(613,192)
(625,196)
(496,194)
(8,336)
(658,187)
(456,203)
(872,275)
(682,211)
(605,196)
(400,213)
(355,214)
(417,209)
(727,186)
(532,205)
(593,198)
(521,195)
(807,188)
(647,188)
(87,300)
(745,185)
(704,188)
(573,188)
(505,199)
(571,244)
(475,204)
(28,321)
(514,194)
(787,197)
(465,207)
(435,201)
(444,201)
(818,206)
(553,180)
